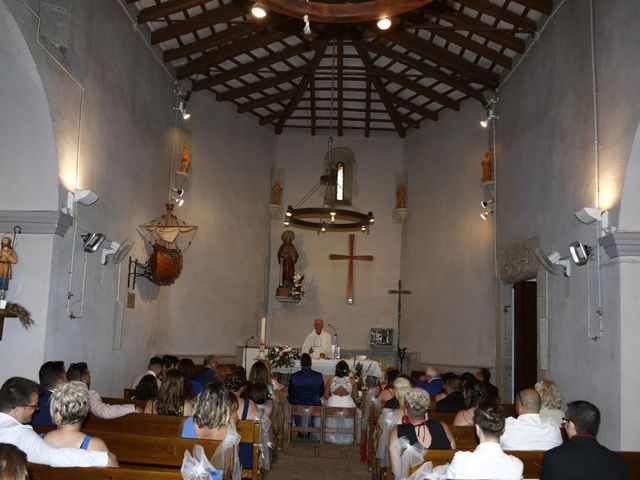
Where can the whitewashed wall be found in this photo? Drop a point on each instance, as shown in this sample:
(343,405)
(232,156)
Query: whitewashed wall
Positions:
(377,161)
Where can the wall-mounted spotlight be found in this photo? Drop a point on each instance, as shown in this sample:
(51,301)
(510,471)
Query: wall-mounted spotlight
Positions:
(179,201)
(384,23)
(182,108)
(179,191)
(579,253)
(92,241)
(85,197)
(484,215)
(491,115)
(588,215)
(258,11)
(486,203)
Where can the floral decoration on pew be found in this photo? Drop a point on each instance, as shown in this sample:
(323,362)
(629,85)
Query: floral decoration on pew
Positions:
(360,375)
(283,356)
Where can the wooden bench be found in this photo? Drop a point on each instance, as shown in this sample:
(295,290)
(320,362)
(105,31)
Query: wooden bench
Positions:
(465,437)
(340,413)
(45,472)
(124,401)
(251,432)
(315,414)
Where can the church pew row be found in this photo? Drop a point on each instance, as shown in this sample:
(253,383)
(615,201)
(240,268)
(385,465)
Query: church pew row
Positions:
(124,401)
(45,472)
(531,460)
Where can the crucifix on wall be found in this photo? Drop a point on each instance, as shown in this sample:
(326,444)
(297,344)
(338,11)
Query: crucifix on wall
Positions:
(351,257)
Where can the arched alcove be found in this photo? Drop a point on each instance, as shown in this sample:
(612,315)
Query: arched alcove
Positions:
(29,157)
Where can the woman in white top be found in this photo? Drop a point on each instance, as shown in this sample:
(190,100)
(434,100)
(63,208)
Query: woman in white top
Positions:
(340,392)
(551,400)
(487,460)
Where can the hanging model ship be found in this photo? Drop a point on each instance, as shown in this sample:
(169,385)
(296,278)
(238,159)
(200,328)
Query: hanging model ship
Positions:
(165,262)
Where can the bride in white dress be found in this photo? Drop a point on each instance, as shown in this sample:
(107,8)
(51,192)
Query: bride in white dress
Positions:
(340,392)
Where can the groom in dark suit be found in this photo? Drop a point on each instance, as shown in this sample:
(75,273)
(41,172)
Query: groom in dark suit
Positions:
(582,456)
(306,386)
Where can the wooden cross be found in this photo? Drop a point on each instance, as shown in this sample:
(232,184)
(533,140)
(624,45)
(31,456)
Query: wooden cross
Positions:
(351,257)
(400,292)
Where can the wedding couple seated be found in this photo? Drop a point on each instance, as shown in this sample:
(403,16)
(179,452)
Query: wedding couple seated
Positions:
(307,388)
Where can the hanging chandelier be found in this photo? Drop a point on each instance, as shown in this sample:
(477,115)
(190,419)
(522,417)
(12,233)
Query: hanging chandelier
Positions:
(328,217)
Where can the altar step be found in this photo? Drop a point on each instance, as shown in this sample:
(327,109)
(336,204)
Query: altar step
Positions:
(306,461)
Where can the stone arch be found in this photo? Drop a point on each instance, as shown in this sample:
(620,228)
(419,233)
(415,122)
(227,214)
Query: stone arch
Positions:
(29,155)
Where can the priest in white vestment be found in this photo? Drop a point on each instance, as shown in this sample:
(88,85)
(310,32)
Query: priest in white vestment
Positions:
(318,343)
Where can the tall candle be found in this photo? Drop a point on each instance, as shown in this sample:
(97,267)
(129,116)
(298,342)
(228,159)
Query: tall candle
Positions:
(263,330)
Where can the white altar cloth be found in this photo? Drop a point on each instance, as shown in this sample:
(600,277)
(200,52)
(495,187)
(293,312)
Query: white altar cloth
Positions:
(327,367)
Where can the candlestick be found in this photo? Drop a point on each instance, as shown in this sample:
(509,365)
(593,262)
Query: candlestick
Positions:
(263,334)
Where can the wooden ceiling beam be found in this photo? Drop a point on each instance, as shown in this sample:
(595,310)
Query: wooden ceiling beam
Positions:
(465,42)
(238,72)
(268,100)
(293,103)
(212,41)
(441,56)
(219,55)
(312,92)
(340,81)
(367,115)
(464,22)
(542,6)
(165,9)
(427,70)
(424,91)
(221,14)
(382,93)
(255,87)
(425,112)
(493,10)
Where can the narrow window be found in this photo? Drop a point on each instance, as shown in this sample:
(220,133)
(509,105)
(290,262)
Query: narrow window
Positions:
(340,182)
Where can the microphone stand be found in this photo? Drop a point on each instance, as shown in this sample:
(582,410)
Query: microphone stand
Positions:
(246,342)
(336,350)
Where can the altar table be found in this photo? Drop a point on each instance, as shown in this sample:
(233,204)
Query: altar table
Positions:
(327,367)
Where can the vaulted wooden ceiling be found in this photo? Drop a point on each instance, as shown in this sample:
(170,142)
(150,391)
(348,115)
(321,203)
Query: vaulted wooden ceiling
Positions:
(351,76)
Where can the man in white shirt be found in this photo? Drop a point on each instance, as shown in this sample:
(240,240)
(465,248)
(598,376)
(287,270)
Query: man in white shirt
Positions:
(155,369)
(318,343)
(18,402)
(530,431)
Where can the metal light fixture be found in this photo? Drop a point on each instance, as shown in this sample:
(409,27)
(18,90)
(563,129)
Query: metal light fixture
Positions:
(491,115)
(182,108)
(258,11)
(579,253)
(179,201)
(484,215)
(328,217)
(384,23)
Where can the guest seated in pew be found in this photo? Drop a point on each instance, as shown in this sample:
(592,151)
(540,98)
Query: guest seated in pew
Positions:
(169,362)
(530,431)
(389,419)
(261,397)
(551,400)
(18,402)
(236,384)
(69,408)
(80,372)
(446,378)
(174,398)
(454,400)
(431,381)
(208,372)
(582,456)
(261,373)
(418,434)
(213,414)
(483,375)
(188,369)
(13,463)
(474,393)
(305,388)
(401,387)
(51,375)
(154,368)
(387,393)
(487,460)
(147,388)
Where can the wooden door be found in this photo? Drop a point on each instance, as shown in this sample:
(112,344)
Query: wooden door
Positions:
(525,336)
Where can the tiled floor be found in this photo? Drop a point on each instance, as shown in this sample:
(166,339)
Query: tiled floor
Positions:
(310,461)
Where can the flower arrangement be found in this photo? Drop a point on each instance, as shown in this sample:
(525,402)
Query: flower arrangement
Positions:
(297,291)
(283,356)
(360,375)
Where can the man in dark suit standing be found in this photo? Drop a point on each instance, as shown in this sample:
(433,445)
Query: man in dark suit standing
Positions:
(306,386)
(582,456)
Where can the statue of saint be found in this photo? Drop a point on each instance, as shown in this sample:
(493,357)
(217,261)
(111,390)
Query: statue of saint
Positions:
(487,173)
(8,256)
(287,257)
(401,193)
(276,191)
(186,159)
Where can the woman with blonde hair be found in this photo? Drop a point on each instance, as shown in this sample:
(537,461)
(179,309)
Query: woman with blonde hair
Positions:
(551,400)
(389,419)
(213,413)
(69,408)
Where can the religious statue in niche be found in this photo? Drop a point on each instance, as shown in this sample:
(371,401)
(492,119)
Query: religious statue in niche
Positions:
(401,194)
(487,170)
(8,257)
(186,159)
(287,258)
(276,192)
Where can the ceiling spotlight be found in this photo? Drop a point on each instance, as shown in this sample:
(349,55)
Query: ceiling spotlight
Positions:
(179,201)
(363,227)
(371,218)
(579,253)
(258,11)
(182,108)
(289,211)
(484,215)
(286,221)
(179,191)
(486,203)
(384,23)
(323,227)
(491,115)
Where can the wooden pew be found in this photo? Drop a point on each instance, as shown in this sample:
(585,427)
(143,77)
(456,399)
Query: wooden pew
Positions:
(314,414)
(138,423)
(251,432)
(442,417)
(45,472)
(344,413)
(465,437)
(124,401)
